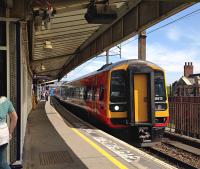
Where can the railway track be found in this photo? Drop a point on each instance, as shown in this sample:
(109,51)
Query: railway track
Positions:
(173,155)
(176,156)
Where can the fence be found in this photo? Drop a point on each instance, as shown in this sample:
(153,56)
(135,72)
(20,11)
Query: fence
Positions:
(185,115)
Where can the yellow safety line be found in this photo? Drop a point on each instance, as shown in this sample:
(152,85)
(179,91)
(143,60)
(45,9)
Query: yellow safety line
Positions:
(102,151)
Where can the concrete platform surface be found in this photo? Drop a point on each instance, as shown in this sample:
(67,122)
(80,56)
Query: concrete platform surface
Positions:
(44,148)
(54,143)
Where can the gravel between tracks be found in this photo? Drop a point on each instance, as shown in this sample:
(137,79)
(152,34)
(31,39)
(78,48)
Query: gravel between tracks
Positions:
(179,154)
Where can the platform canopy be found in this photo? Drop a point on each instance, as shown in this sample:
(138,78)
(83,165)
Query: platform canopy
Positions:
(63,38)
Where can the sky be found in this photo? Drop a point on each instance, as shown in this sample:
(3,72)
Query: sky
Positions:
(169,47)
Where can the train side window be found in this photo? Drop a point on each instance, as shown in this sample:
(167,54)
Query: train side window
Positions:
(89,94)
(85,93)
(94,93)
(72,92)
(101,93)
(81,92)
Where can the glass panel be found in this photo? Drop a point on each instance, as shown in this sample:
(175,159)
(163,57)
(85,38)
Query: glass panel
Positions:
(118,86)
(2,33)
(160,93)
(101,93)
(3,74)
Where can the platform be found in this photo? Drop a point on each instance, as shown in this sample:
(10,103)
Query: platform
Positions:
(54,143)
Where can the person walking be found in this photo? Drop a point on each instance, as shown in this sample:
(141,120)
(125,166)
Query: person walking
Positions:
(6,108)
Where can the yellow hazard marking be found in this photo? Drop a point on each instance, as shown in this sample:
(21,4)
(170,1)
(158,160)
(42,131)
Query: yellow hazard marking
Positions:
(102,151)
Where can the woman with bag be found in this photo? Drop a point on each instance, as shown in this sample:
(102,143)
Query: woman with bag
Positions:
(6,108)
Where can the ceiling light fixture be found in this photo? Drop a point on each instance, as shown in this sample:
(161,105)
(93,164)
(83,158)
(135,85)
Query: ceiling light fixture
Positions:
(43,67)
(47,45)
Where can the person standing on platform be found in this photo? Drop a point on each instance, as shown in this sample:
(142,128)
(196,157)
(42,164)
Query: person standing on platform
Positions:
(6,108)
(46,95)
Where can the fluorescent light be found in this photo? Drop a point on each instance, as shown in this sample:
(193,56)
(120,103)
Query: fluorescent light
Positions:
(47,45)
(43,67)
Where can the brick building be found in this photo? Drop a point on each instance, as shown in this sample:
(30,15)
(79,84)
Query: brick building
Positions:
(187,85)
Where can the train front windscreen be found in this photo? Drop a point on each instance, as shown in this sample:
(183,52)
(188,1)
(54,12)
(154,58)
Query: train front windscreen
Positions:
(118,97)
(160,92)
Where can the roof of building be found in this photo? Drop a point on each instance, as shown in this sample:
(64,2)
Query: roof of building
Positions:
(186,80)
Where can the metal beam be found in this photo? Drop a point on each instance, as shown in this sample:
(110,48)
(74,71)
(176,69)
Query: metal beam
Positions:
(4,19)
(66,24)
(62,26)
(141,14)
(69,37)
(53,70)
(51,58)
(66,29)
(63,41)
(49,35)
(67,19)
(56,53)
(65,35)
(57,49)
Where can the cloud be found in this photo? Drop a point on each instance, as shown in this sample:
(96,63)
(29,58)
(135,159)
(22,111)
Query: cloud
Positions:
(130,51)
(174,33)
(170,59)
(86,68)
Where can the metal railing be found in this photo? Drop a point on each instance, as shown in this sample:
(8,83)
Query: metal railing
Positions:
(185,116)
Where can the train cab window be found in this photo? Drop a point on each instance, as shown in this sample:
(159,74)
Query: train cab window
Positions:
(118,86)
(101,93)
(159,82)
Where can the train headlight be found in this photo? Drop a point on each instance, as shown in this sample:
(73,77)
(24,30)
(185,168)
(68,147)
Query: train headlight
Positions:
(116,108)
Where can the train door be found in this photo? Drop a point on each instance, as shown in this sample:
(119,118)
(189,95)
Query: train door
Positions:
(140,95)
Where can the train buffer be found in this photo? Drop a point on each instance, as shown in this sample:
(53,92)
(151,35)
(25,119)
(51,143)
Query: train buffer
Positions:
(56,143)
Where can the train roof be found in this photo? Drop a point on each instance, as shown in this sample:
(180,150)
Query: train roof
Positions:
(110,66)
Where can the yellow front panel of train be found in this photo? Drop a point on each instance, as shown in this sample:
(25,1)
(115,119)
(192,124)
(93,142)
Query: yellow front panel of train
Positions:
(140,98)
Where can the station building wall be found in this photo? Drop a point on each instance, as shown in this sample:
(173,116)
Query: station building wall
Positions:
(17,80)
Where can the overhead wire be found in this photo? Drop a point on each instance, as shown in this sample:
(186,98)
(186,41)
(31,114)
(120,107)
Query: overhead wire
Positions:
(174,21)
(79,69)
(154,30)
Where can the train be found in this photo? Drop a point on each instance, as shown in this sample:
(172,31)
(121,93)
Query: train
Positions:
(129,95)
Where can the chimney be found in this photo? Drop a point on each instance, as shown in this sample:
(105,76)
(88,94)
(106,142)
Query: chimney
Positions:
(188,69)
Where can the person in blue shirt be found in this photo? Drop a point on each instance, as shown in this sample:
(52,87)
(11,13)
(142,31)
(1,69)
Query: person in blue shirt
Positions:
(6,108)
